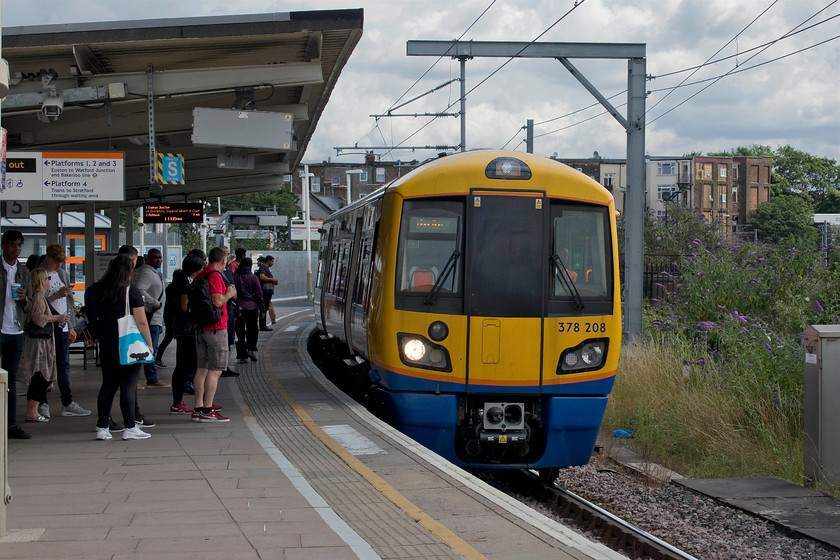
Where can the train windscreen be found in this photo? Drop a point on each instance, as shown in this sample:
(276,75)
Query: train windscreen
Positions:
(430,234)
(580,248)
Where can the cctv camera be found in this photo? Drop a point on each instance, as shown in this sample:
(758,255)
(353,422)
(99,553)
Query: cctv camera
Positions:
(52,106)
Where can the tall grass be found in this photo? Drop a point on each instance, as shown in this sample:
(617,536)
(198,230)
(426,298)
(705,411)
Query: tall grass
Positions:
(714,387)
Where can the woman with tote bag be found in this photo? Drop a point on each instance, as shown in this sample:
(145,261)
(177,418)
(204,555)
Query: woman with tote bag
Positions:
(106,305)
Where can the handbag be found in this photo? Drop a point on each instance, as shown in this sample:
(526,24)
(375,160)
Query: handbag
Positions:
(34,331)
(133,348)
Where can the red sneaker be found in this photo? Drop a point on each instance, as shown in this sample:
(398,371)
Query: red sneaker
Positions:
(180,408)
(196,416)
(213,416)
(217,407)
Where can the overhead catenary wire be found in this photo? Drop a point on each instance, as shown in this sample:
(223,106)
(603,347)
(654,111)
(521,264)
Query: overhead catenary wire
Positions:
(716,80)
(576,5)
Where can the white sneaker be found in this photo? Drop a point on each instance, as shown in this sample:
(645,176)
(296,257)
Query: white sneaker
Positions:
(73,409)
(44,410)
(135,433)
(103,434)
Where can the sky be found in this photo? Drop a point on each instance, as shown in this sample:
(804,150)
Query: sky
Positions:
(769,94)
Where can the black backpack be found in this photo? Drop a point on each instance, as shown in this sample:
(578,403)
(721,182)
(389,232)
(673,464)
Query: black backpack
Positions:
(202,311)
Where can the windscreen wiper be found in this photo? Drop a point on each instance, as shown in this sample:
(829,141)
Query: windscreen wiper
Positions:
(566,281)
(447,270)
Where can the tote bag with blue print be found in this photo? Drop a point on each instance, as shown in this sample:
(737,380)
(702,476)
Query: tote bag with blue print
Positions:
(133,348)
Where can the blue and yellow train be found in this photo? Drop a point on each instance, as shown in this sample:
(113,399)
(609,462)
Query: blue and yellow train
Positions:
(481,294)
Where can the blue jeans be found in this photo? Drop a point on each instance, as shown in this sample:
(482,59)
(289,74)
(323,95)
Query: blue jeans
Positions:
(62,364)
(149,369)
(11,347)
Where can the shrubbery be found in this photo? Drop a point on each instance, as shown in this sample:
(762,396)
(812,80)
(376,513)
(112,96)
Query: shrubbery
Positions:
(721,359)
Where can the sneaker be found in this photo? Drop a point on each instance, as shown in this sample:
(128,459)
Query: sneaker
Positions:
(157,384)
(16,432)
(229,373)
(73,409)
(144,422)
(113,426)
(135,433)
(44,410)
(252,355)
(264,329)
(180,408)
(140,387)
(217,407)
(103,434)
(213,416)
(196,416)
(160,364)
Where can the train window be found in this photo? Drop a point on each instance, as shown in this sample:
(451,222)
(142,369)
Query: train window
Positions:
(581,246)
(430,234)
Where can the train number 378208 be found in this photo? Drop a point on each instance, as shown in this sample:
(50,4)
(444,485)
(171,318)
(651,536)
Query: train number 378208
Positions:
(575,327)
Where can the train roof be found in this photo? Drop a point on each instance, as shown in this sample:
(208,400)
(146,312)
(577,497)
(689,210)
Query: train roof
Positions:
(458,173)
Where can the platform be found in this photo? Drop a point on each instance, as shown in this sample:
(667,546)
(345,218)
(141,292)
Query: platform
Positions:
(300,472)
(791,506)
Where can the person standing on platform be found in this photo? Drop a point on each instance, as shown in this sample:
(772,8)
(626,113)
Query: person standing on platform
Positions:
(149,281)
(268,282)
(250,300)
(37,363)
(212,351)
(15,303)
(60,299)
(239,255)
(105,302)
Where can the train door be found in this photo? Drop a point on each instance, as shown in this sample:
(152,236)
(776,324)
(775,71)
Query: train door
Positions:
(505,286)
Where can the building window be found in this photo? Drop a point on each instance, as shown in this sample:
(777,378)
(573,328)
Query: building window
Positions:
(734,194)
(608,180)
(380,174)
(661,214)
(363,176)
(666,168)
(664,192)
(315,184)
(723,198)
(734,170)
(723,171)
(708,170)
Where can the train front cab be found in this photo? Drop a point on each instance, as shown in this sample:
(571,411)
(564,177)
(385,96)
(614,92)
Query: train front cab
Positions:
(502,343)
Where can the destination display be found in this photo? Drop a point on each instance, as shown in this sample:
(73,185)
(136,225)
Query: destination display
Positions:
(177,213)
(76,176)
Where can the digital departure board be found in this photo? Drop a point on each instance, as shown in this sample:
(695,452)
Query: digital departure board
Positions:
(183,213)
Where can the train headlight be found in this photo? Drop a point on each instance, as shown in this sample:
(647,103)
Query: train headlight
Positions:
(418,351)
(414,349)
(587,356)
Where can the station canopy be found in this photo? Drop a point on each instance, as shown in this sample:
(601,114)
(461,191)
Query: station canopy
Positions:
(104,73)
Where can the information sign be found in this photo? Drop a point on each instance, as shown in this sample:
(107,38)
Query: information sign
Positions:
(184,213)
(75,176)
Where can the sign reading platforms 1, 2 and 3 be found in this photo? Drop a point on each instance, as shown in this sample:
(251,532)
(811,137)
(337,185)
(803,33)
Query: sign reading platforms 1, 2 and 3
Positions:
(64,176)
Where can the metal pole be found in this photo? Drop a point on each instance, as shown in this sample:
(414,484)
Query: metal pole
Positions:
(307,223)
(529,136)
(635,201)
(463,61)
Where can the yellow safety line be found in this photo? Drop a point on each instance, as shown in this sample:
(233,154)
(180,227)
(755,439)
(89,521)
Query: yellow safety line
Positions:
(435,527)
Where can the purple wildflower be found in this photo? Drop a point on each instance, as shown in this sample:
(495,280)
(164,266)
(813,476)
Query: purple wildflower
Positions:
(818,306)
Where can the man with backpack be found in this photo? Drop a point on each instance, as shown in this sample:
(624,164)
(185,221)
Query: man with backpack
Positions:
(208,298)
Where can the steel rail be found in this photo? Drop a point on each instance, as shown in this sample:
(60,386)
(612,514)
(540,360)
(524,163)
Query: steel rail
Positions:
(615,531)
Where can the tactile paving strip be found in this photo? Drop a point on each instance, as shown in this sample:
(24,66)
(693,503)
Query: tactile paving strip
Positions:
(388,530)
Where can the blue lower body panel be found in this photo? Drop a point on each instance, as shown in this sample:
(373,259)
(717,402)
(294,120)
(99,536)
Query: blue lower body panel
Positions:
(567,435)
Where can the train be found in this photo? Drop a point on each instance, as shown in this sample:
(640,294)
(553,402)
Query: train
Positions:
(480,295)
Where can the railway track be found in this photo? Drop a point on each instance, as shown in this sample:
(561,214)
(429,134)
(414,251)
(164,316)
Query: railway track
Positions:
(609,528)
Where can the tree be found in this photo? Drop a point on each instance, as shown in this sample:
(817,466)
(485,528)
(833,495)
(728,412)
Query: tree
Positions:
(816,178)
(785,220)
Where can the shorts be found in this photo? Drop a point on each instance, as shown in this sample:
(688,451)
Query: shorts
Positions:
(211,350)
